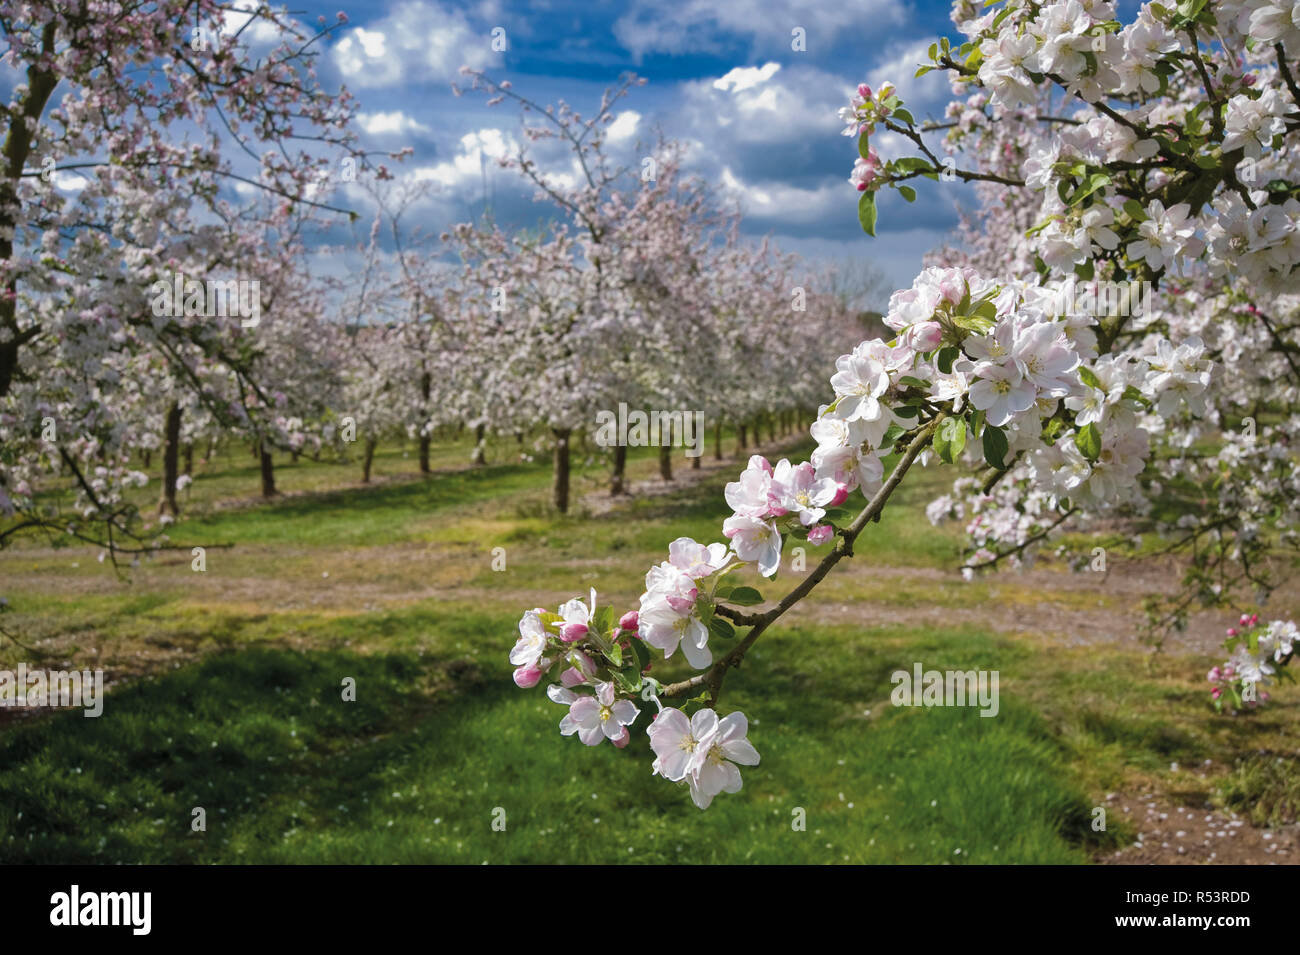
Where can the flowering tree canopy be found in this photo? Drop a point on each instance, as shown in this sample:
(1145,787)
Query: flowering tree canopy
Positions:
(1121,343)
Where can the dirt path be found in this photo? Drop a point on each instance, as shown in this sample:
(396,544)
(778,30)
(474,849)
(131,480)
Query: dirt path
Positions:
(1169,833)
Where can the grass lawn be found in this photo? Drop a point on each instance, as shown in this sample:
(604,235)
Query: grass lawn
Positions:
(227,694)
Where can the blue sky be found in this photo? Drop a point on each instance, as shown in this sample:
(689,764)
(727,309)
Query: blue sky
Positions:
(758,116)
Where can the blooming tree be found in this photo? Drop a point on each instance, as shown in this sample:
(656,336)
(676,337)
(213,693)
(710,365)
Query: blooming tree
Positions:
(1166,167)
(120,144)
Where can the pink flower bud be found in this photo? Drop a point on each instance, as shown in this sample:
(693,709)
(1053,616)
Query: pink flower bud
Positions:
(572,632)
(925,336)
(820,534)
(526,677)
(622,740)
(864,91)
(629,621)
(1214,675)
(841,495)
(572,677)
(1254,619)
(1232,631)
(1216,693)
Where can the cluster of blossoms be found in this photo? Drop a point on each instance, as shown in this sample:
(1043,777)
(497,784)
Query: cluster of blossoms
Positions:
(1158,62)
(1157,153)
(767,499)
(606,666)
(1257,652)
(668,617)
(860,117)
(702,751)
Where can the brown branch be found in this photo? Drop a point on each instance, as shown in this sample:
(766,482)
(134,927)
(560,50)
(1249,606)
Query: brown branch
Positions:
(712,677)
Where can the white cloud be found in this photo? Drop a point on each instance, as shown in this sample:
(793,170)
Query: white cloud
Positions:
(788,205)
(235,20)
(69,181)
(417,41)
(466,167)
(391,123)
(624,126)
(751,105)
(746,77)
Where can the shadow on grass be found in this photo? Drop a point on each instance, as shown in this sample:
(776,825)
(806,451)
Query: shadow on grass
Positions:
(434,751)
(242,735)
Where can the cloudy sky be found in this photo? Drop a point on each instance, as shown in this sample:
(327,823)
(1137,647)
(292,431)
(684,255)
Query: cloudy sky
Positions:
(758,117)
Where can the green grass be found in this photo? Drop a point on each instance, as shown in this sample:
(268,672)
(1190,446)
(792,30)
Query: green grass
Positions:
(434,745)
(228,695)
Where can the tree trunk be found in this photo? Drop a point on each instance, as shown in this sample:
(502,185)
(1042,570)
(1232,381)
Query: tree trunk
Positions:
(666,452)
(268,471)
(616,479)
(368,459)
(717,440)
(771,427)
(561,469)
(171,460)
(148,459)
(426,388)
(740,439)
(479,457)
(189,459)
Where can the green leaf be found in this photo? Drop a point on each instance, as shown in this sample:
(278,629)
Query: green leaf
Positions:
(745,597)
(720,627)
(1090,379)
(946,357)
(908,193)
(911,164)
(1088,441)
(629,682)
(867,213)
(1135,210)
(641,652)
(864,148)
(904,116)
(951,439)
(995,447)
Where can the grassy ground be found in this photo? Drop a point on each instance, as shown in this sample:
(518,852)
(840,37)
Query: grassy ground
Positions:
(227,692)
